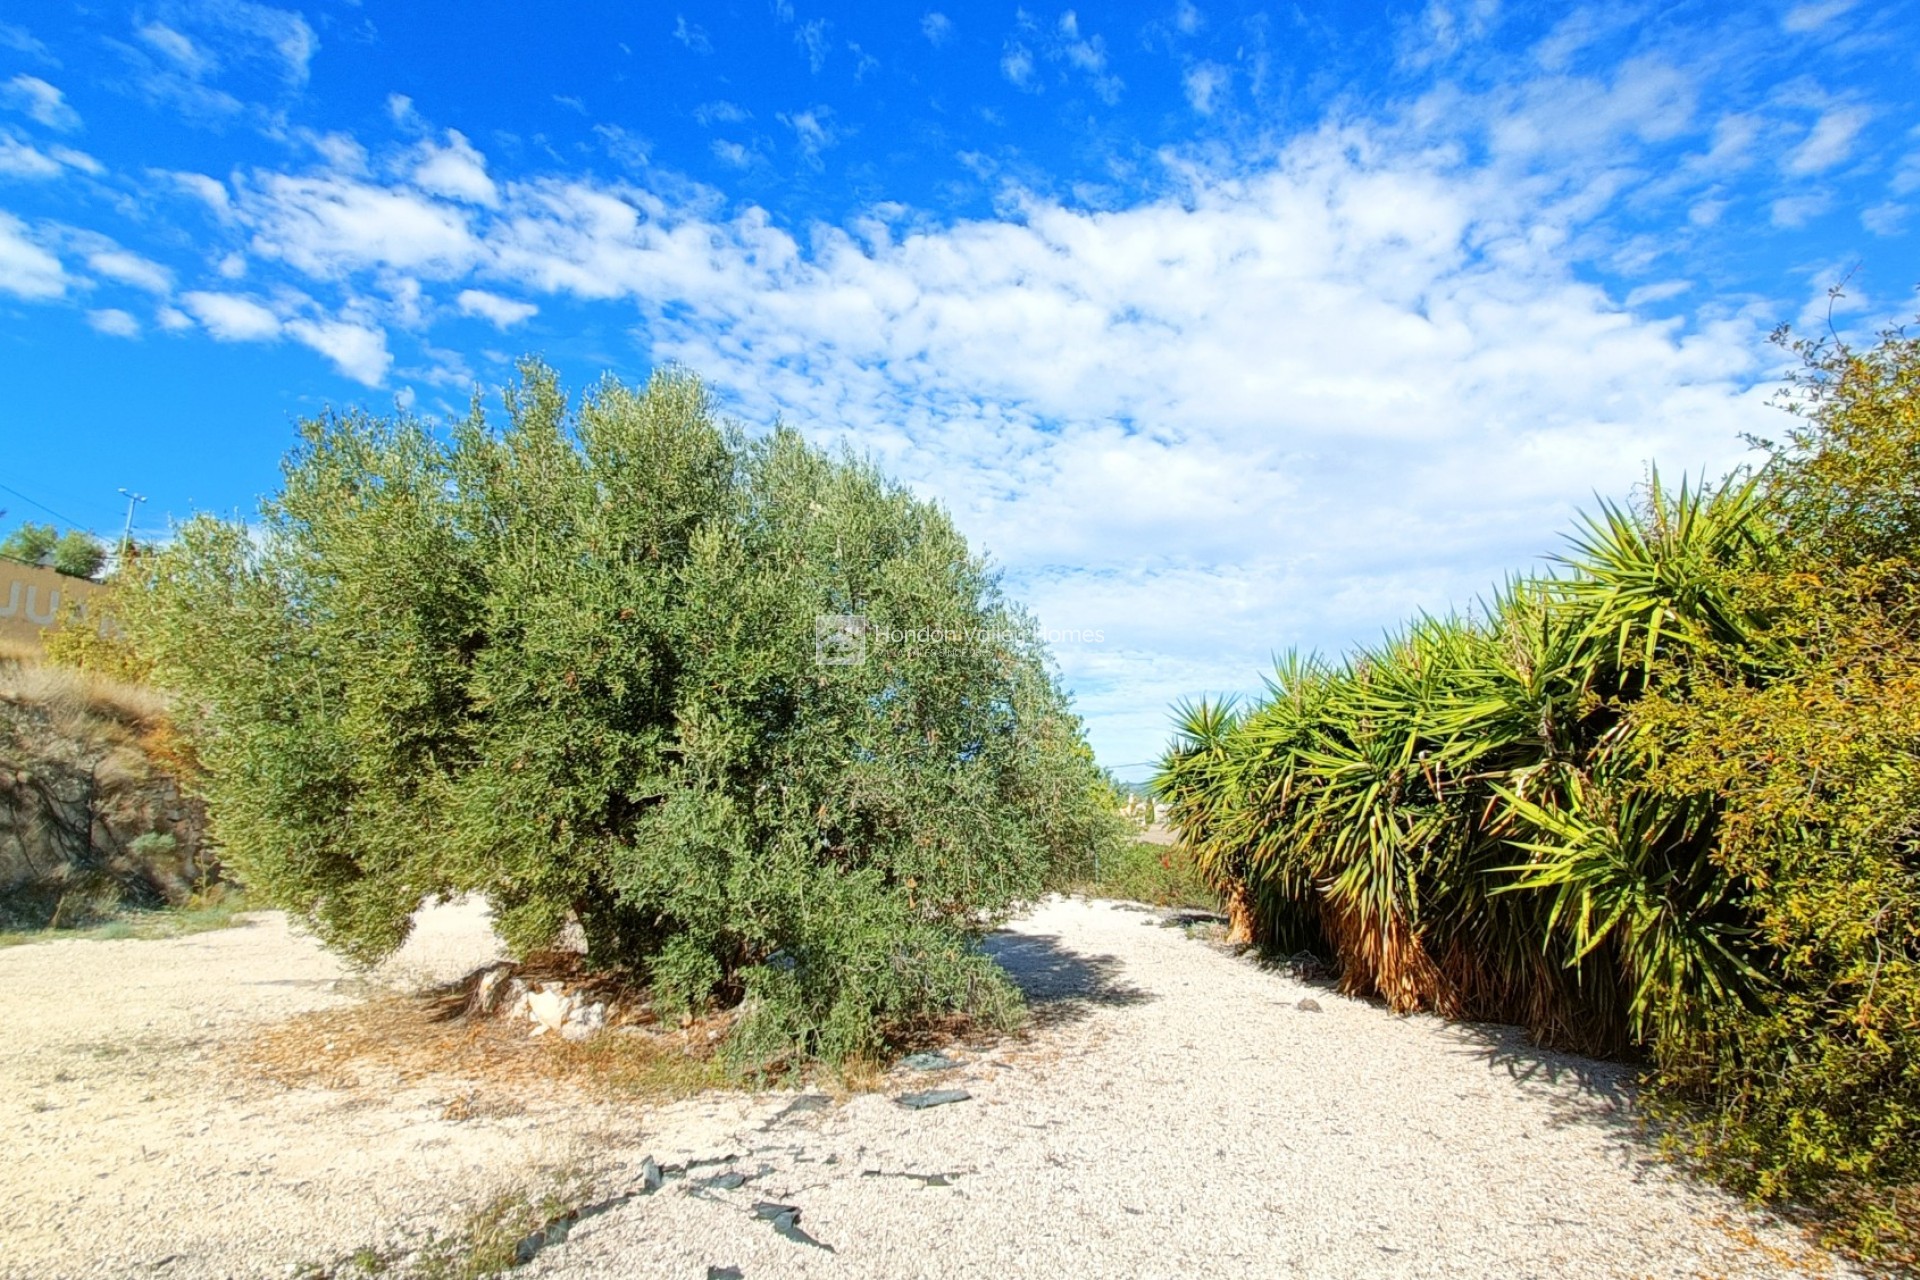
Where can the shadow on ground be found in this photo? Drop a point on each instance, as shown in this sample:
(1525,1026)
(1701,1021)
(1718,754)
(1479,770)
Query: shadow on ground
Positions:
(1580,1091)
(1062,985)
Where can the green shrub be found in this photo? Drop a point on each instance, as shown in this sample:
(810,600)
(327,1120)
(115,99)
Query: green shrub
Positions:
(1665,801)
(78,554)
(571,663)
(30,542)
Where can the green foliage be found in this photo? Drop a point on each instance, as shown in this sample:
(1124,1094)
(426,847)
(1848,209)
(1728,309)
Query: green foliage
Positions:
(1664,800)
(78,554)
(1143,871)
(1813,759)
(30,542)
(569,662)
(75,553)
(80,643)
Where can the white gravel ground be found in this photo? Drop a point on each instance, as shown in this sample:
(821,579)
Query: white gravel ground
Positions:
(1175,1113)
(1183,1116)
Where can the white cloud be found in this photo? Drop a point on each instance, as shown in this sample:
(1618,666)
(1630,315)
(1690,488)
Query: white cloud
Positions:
(131,268)
(721,112)
(27,270)
(232,318)
(1811,17)
(1356,382)
(176,48)
(76,160)
(1206,83)
(114,322)
(210,192)
(813,130)
(357,351)
(1886,219)
(812,37)
(1187,17)
(42,102)
(1288,400)
(1799,210)
(1829,142)
(691,35)
(1660,292)
(937,28)
(326,225)
(732,154)
(20,160)
(21,40)
(502,313)
(1016,64)
(455,170)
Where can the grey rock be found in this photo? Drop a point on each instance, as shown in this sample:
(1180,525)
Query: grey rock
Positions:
(932,1098)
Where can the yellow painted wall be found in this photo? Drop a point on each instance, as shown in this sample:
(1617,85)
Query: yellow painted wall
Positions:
(33,599)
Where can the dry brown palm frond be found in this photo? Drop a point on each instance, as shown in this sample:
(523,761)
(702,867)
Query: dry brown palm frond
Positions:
(1386,958)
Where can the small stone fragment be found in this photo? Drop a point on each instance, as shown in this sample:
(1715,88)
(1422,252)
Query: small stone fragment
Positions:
(651,1179)
(724,1273)
(931,1061)
(1309,1005)
(932,1098)
(786,1221)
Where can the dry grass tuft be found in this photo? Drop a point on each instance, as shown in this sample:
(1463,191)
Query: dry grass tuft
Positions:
(393,1038)
(78,701)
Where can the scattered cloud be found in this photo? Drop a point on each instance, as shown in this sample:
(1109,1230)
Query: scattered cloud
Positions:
(721,112)
(1187,18)
(501,313)
(691,35)
(114,322)
(41,101)
(1811,17)
(1799,210)
(229,317)
(19,159)
(1016,64)
(937,28)
(1206,85)
(812,37)
(814,131)
(1829,142)
(20,40)
(323,224)
(733,154)
(356,350)
(1885,219)
(26,269)
(455,169)
(132,269)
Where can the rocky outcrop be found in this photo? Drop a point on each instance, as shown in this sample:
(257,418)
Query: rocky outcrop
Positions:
(88,815)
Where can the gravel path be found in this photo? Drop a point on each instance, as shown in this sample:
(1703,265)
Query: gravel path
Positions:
(1175,1111)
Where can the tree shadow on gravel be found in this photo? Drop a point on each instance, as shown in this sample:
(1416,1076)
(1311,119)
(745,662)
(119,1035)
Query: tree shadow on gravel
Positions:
(1062,986)
(1578,1090)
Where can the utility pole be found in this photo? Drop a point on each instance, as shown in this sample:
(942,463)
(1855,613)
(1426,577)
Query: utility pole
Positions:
(126,537)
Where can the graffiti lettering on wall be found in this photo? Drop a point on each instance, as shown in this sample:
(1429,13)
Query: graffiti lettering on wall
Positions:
(33,599)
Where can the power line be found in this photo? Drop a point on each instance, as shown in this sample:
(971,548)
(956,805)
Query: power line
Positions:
(44,507)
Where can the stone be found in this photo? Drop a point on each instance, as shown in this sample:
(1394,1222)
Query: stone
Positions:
(1309,1005)
(932,1061)
(488,992)
(549,1006)
(932,1098)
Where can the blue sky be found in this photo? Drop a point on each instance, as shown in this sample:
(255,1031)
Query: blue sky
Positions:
(1224,328)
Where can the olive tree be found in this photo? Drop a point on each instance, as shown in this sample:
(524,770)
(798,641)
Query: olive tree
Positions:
(576,662)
